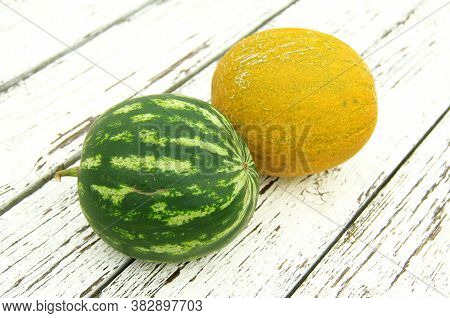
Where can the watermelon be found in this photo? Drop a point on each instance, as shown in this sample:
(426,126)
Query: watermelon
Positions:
(165,178)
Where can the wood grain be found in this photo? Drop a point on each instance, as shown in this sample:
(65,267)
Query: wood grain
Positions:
(37,265)
(44,253)
(56,106)
(399,246)
(34,34)
(299,218)
(286,235)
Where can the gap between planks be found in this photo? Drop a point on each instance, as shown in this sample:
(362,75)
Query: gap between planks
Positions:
(419,140)
(69,48)
(95,291)
(368,202)
(399,245)
(49,175)
(98,291)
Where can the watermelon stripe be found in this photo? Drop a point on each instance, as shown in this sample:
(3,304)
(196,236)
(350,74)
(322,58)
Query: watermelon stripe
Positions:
(201,127)
(150,136)
(92,162)
(143,118)
(125,136)
(159,194)
(150,163)
(128,108)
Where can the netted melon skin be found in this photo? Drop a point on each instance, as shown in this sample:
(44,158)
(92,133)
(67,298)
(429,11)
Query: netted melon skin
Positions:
(303,101)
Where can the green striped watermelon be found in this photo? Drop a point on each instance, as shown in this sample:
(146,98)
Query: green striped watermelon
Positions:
(165,178)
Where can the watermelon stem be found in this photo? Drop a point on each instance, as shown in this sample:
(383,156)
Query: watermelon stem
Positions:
(71,172)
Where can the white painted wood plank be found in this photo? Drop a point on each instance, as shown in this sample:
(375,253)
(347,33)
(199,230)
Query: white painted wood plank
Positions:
(35,253)
(305,233)
(26,48)
(49,250)
(408,225)
(156,48)
(40,249)
(286,236)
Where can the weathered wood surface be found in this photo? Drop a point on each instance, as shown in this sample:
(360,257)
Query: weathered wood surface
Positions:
(56,106)
(297,219)
(33,34)
(399,246)
(54,244)
(41,266)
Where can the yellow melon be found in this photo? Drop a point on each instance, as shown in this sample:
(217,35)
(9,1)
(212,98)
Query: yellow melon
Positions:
(303,101)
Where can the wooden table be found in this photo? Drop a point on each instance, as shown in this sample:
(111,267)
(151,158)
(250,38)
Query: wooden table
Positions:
(376,225)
